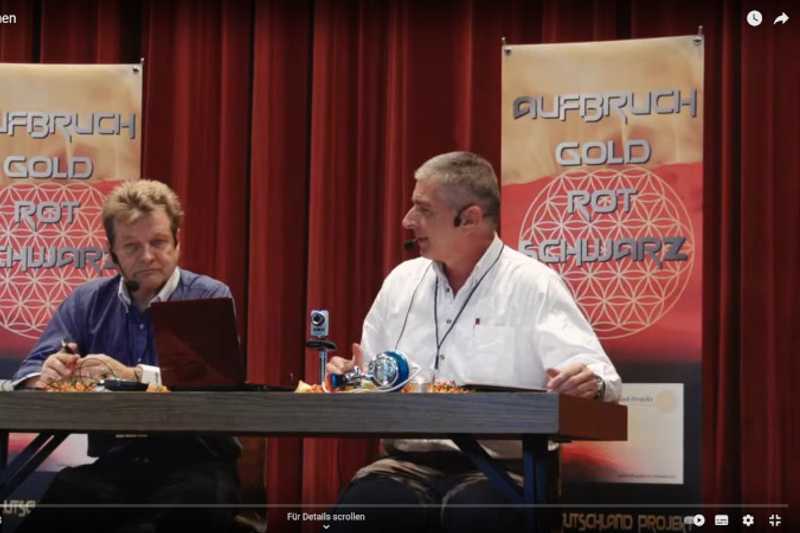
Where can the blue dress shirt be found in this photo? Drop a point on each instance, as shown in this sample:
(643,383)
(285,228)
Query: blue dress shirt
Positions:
(100,318)
(100,321)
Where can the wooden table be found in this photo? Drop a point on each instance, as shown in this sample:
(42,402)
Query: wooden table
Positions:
(533,418)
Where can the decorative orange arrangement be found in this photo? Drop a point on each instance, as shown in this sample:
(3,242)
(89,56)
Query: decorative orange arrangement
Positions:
(441,386)
(449,387)
(78,381)
(83,383)
(71,385)
(76,385)
(306,388)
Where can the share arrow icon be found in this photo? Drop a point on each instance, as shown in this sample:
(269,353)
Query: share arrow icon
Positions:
(782,18)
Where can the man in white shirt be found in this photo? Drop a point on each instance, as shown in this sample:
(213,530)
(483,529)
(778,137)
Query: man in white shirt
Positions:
(472,310)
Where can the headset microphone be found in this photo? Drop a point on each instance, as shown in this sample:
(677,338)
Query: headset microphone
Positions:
(408,245)
(131,284)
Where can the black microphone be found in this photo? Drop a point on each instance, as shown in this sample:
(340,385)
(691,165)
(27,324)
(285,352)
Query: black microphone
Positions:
(131,284)
(409,244)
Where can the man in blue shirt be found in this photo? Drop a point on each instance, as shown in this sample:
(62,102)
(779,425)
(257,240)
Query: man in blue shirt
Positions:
(107,321)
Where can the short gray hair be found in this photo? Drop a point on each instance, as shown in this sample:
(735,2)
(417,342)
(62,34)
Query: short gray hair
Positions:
(466,178)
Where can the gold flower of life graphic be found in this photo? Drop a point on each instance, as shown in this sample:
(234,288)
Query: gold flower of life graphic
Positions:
(621,239)
(51,241)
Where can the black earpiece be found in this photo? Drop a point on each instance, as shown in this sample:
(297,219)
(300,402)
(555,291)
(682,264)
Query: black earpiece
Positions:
(131,284)
(457,221)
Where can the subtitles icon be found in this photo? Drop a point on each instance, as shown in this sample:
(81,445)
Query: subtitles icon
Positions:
(754,18)
(721,520)
(748,520)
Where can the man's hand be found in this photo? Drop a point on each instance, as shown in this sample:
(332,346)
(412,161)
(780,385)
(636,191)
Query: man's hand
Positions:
(101,366)
(340,365)
(60,365)
(574,379)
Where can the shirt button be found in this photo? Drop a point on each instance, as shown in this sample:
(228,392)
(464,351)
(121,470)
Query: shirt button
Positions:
(449,321)
(141,326)
(441,356)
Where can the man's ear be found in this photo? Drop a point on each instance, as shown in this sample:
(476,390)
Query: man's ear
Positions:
(472,216)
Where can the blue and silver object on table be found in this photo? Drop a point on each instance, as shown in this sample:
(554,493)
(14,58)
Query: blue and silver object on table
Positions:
(388,372)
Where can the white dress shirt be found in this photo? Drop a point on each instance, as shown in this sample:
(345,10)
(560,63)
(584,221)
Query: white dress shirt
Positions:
(162,296)
(519,321)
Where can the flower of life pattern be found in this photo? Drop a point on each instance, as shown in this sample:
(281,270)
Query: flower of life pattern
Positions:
(29,296)
(619,297)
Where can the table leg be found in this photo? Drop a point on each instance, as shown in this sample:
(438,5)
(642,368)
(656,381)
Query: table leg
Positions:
(535,469)
(3,461)
(3,450)
(496,474)
(27,461)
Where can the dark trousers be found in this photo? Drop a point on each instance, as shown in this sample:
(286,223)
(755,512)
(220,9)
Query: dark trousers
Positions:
(128,494)
(434,491)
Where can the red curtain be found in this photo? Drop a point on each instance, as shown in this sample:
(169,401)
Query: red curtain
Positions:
(278,226)
(291,131)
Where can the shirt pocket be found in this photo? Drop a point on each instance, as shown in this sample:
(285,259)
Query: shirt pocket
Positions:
(492,355)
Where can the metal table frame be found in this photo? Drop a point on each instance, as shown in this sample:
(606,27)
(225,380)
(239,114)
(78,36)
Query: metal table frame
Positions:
(534,418)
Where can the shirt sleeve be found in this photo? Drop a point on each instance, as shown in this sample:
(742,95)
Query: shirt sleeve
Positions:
(373,334)
(214,289)
(65,325)
(221,291)
(563,335)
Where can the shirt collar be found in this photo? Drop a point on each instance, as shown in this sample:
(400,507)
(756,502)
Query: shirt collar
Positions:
(484,263)
(162,296)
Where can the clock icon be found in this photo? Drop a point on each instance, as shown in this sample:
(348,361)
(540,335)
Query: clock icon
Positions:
(754,18)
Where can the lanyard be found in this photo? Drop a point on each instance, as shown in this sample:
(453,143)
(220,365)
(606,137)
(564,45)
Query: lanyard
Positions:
(439,343)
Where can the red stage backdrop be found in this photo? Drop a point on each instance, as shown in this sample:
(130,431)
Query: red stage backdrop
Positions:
(602,165)
(68,134)
(308,119)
